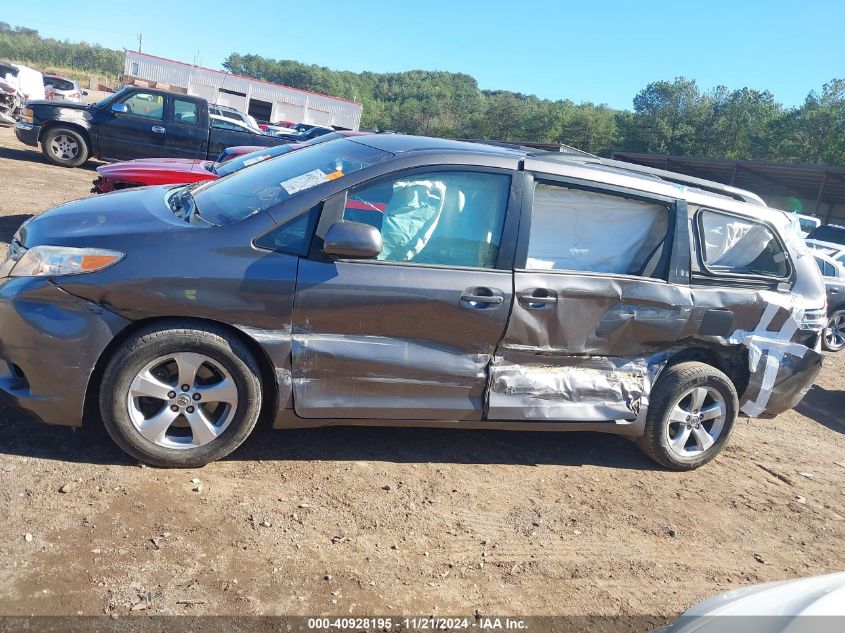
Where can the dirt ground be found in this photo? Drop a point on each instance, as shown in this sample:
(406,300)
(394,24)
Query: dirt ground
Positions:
(387,521)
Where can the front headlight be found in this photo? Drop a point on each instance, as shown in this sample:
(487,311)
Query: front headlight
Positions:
(27,115)
(52,261)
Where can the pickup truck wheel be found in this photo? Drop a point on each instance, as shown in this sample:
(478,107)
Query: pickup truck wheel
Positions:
(833,339)
(64,147)
(691,414)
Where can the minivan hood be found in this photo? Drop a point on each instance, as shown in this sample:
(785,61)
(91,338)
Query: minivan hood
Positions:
(93,221)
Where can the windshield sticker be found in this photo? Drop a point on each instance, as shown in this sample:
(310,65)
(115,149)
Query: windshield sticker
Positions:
(257,159)
(305,181)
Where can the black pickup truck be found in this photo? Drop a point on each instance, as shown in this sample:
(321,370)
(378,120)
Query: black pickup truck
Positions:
(132,123)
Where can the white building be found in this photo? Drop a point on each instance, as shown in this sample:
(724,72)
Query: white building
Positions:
(263,100)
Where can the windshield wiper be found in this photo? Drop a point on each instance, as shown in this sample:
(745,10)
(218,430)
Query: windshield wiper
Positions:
(182,204)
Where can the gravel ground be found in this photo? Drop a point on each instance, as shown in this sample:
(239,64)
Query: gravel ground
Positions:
(389,521)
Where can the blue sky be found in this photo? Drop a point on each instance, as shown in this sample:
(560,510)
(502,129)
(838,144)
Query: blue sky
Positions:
(602,51)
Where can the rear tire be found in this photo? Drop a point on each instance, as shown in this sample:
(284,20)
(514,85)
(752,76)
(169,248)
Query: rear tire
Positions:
(691,414)
(64,146)
(181,395)
(833,339)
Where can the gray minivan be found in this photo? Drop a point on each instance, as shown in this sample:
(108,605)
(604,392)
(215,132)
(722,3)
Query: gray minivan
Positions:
(398,280)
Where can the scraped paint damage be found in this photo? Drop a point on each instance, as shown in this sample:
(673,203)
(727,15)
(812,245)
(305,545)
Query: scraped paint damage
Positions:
(337,372)
(334,373)
(589,388)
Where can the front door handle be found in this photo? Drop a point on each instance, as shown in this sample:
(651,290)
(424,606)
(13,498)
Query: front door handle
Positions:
(158,129)
(482,297)
(538,298)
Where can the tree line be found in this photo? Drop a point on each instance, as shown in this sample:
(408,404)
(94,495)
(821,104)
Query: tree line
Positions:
(27,45)
(668,117)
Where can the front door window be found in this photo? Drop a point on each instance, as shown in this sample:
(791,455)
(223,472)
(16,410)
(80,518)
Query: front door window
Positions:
(449,218)
(145,104)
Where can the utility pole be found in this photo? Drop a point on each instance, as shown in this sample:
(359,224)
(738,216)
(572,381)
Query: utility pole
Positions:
(140,41)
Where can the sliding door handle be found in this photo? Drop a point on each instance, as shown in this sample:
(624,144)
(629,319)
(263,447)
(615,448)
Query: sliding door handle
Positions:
(538,298)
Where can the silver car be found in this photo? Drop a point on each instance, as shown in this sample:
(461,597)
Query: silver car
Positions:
(62,89)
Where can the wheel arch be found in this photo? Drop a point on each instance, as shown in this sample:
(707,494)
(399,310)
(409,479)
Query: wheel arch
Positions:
(734,365)
(84,132)
(835,308)
(270,391)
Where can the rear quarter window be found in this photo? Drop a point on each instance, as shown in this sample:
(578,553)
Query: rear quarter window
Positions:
(736,245)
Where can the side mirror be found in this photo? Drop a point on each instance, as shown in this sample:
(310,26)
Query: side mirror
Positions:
(84,93)
(352,239)
(120,108)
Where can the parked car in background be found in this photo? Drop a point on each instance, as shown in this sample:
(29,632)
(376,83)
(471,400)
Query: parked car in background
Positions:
(828,239)
(833,273)
(29,81)
(131,123)
(227,123)
(399,280)
(233,152)
(807,223)
(297,137)
(282,124)
(61,89)
(11,98)
(174,171)
(18,84)
(243,118)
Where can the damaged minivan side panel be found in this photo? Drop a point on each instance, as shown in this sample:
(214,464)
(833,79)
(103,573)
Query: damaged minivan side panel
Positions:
(771,315)
(589,344)
(410,334)
(589,328)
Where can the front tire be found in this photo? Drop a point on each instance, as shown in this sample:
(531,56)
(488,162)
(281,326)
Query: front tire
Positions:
(692,411)
(833,339)
(181,395)
(65,147)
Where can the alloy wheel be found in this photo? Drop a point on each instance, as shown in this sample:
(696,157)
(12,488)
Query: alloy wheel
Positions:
(64,147)
(696,421)
(182,400)
(834,335)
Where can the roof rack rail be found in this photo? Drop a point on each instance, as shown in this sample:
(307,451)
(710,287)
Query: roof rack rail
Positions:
(663,174)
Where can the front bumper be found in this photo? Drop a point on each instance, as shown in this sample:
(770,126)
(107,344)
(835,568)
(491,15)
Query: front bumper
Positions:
(27,133)
(50,342)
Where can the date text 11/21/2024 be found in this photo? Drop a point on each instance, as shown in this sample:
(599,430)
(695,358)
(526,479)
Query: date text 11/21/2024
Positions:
(418,623)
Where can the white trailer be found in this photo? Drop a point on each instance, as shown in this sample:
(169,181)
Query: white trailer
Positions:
(263,100)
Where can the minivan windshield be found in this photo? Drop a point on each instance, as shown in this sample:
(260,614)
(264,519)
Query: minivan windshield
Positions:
(270,182)
(236,164)
(828,233)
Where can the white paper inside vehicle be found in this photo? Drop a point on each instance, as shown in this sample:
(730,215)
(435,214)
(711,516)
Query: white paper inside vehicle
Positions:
(305,181)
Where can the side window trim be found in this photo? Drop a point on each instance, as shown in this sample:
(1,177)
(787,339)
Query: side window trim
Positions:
(334,207)
(671,260)
(702,272)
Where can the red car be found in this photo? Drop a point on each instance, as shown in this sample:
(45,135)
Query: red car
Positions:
(164,171)
(177,171)
(289,124)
